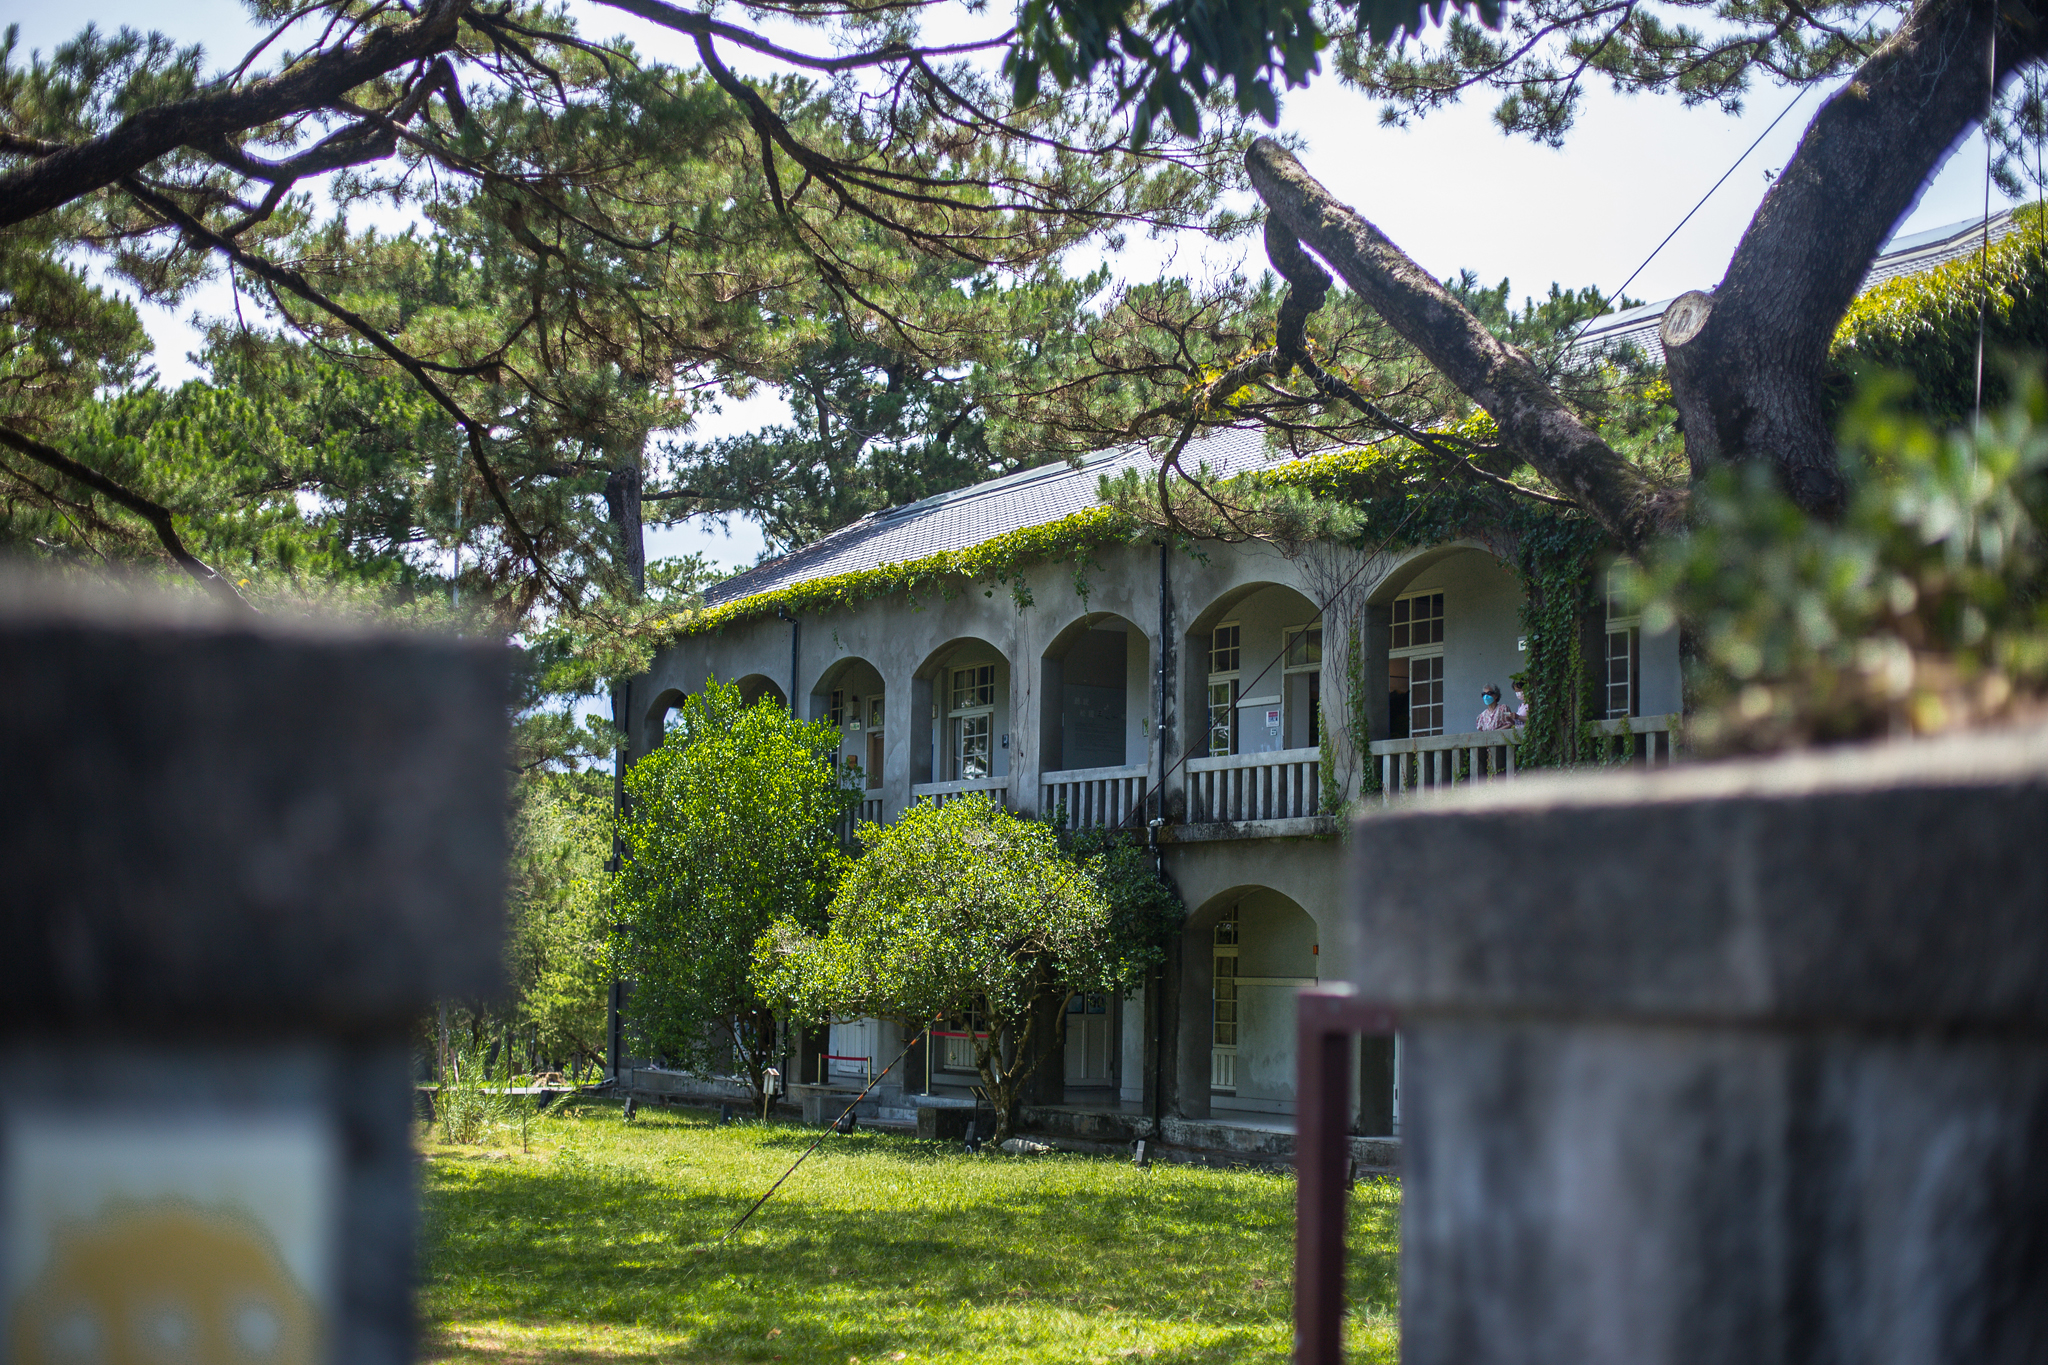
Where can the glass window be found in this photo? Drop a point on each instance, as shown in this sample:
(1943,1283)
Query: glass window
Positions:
(874,713)
(1223,653)
(1426,695)
(1225,996)
(836,712)
(1223,718)
(1305,647)
(1621,673)
(1419,621)
(971,746)
(974,687)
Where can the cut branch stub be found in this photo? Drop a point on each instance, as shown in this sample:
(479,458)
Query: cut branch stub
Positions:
(1748,363)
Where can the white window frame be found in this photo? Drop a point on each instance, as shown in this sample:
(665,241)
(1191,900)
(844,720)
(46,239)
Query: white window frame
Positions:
(1431,649)
(1224,678)
(960,716)
(1627,629)
(1312,667)
(1224,948)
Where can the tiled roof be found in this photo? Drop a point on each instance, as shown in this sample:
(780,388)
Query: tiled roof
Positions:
(1904,255)
(970,516)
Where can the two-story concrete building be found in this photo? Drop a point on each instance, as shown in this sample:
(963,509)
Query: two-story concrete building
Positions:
(1178,695)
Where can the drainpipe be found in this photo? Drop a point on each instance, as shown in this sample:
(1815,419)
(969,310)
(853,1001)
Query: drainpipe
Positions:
(796,629)
(1163,732)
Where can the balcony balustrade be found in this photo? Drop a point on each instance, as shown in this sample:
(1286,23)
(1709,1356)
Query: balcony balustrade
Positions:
(1440,762)
(1095,798)
(1285,784)
(939,793)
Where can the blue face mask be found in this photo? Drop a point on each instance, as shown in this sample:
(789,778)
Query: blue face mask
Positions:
(1488,698)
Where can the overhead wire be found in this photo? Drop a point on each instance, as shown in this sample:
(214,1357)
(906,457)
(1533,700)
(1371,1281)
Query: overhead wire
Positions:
(1689,214)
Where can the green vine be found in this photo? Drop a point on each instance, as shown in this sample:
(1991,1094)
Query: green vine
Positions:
(1399,499)
(999,562)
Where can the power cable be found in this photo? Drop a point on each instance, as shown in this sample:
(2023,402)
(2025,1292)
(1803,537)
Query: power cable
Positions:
(1690,212)
(829,1130)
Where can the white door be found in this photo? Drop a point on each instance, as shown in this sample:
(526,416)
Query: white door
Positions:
(1089,1041)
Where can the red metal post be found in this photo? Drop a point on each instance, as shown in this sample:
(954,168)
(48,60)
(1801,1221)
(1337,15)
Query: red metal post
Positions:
(1327,1017)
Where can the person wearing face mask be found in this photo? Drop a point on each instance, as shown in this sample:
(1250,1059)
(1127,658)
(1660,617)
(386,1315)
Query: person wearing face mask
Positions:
(1494,716)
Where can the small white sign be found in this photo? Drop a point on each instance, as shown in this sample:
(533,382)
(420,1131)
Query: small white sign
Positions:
(1272,722)
(198,1239)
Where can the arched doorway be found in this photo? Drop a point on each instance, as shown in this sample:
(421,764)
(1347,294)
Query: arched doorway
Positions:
(849,695)
(964,688)
(1253,692)
(1259,948)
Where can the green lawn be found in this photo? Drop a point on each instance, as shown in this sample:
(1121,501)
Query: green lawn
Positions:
(592,1248)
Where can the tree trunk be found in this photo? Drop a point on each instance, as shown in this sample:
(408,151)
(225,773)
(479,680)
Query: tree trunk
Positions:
(1747,361)
(1533,420)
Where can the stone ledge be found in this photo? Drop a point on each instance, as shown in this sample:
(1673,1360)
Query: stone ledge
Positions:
(1872,887)
(1211,831)
(219,822)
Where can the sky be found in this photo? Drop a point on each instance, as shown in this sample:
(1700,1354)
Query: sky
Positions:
(1450,189)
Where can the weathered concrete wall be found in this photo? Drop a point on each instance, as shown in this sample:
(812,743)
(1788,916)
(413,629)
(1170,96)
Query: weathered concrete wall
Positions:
(1741,1063)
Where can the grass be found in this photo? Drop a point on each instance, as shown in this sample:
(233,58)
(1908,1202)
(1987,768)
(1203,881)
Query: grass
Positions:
(592,1247)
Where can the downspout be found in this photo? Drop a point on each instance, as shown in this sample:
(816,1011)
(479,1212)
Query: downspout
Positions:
(1164,729)
(796,629)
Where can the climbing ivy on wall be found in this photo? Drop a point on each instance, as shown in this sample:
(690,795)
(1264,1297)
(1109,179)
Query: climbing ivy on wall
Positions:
(1402,501)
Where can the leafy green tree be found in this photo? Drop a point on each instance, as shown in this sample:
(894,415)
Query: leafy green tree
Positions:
(561,914)
(732,826)
(967,912)
(606,240)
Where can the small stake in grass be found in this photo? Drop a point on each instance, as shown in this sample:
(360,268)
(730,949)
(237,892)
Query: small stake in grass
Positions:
(1140,1159)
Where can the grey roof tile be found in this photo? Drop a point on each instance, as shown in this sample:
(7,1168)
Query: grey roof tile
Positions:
(970,516)
(1908,254)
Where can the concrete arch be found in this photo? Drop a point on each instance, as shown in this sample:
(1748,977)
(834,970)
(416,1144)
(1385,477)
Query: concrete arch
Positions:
(665,701)
(1416,563)
(862,693)
(755,686)
(1482,635)
(1277,951)
(1265,614)
(1095,695)
(949,749)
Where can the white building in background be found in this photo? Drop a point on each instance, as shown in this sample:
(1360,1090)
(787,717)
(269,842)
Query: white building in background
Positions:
(1186,689)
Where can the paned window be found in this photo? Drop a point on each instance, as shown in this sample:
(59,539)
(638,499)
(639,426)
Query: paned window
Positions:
(1223,661)
(1304,648)
(1223,652)
(1419,621)
(1624,645)
(1416,665)
(972,723)
(974,687)
(1223,1007)
(1303,666)
(1426,694)
(836,712)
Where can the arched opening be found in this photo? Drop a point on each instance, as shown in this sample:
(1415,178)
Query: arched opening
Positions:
(755,686)
(1095,721)
(658,713)
(1444,624)
(1254,673)
(1097,688)
(1246,953)
(964,690)
(849,694)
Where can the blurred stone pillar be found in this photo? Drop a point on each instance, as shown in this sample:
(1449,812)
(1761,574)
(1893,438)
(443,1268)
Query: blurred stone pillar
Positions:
(241,858)
(1738,1063)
